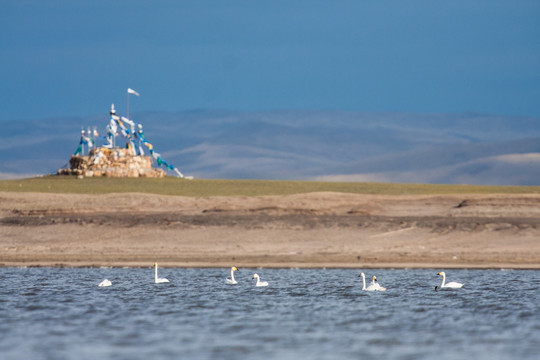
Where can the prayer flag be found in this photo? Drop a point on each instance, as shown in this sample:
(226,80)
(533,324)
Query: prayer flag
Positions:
(131,91)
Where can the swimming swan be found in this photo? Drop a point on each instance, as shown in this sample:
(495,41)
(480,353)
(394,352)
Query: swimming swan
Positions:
(105,282)
(156,279)
(232,281)
(374,286)
(259,282)
(450,285)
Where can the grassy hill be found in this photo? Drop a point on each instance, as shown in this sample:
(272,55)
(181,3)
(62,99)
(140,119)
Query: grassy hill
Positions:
(197,187)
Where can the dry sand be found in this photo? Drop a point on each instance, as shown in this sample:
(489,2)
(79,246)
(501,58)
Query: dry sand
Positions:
(307,230)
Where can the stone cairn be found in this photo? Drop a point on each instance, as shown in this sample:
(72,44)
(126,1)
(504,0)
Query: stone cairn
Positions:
(115,162)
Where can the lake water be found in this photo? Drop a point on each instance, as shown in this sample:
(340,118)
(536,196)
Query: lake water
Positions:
(61,313)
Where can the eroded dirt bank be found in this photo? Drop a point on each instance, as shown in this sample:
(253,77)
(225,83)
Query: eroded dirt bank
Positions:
(308,230)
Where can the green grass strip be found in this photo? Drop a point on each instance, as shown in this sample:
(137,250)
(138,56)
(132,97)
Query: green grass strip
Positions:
(198,187)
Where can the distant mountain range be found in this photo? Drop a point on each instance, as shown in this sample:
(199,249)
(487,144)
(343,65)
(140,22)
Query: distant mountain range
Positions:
(315,145)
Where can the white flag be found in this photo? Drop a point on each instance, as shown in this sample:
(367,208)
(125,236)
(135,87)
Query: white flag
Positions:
(131,91)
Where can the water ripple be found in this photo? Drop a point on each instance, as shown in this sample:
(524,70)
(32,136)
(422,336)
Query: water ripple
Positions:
(318,314)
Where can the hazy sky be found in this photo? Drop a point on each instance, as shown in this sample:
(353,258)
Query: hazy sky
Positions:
(73,58)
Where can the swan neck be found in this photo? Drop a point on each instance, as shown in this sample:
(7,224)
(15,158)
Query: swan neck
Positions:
(443,280)
(155,272)
(363,282)
(232,275)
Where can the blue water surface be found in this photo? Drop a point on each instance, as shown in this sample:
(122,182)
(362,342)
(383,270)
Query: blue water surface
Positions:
(61,313)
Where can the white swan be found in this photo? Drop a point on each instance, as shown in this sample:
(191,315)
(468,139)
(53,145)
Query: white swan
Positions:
(105,282)
(232,281)
(259,282)
(158,280)
(374,286)
(450,285)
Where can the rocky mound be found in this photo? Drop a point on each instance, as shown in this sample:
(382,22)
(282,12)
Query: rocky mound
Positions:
(114,162)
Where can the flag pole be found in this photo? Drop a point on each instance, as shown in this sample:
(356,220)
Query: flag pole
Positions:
(127,114)
(130,91)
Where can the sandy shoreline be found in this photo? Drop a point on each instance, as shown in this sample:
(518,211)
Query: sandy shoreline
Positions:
(331,230)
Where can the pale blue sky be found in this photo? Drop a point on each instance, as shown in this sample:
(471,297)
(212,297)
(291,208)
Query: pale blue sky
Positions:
(73,58)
